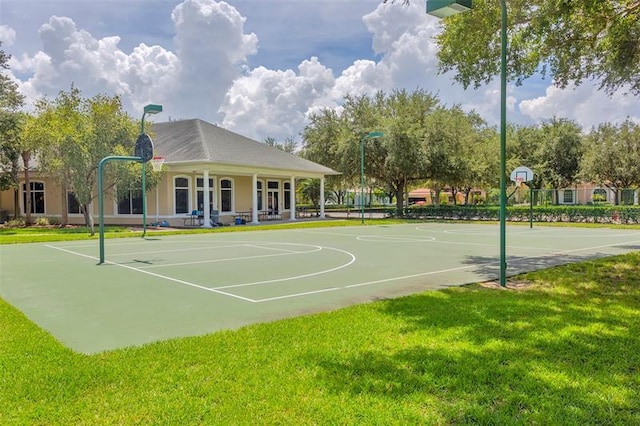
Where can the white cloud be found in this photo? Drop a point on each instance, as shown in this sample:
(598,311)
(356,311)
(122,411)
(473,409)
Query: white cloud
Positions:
(213,48)
(584,104)
(205,73)
(7,35)
(275,103)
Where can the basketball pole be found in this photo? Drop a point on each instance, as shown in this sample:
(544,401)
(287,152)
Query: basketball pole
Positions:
(148,109)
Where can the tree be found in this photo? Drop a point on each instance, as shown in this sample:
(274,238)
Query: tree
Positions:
(80,132)
(572,41)
(289,145)
(10,127)
(324,140)
(455,142)
(612,156)
(398,157)
(562,151)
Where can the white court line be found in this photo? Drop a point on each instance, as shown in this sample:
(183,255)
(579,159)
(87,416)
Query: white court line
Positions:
(176,250)
(289,296)
(487,263)
(164,277)
(196,262)
(353,259)
(285,250)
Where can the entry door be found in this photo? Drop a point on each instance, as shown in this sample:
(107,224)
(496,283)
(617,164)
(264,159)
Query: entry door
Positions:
(272,197)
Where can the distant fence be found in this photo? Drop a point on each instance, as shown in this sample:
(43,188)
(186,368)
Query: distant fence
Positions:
(571,196)
(604,213)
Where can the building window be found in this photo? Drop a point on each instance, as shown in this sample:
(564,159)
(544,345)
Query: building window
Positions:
(272,197)
(37,197)
(200,193)
(599,195)
(226,195)
(131,203)
(73,206)
(181,193)
(287,195)
(567,196)
(259,195)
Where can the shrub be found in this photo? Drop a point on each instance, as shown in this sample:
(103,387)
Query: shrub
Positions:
(601,213)
(42,221)
(18,222)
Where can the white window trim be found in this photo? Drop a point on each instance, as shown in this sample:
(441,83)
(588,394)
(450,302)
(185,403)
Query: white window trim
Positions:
(233,196)
(23,207)
(189,193)
(115,206)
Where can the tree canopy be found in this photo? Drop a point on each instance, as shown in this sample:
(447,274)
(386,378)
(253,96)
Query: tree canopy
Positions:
(11,120)
(572,41)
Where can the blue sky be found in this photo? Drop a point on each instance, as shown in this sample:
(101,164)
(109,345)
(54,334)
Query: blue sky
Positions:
(258,67)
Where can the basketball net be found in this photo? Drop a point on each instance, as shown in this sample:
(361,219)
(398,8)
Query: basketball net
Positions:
(519,181)
(156,163)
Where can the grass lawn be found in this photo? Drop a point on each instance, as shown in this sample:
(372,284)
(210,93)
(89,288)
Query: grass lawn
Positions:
(563,350)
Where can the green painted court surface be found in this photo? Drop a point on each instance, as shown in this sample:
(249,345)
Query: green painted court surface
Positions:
(174,286)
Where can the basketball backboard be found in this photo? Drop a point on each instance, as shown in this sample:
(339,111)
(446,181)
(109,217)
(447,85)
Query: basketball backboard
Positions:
(522,172)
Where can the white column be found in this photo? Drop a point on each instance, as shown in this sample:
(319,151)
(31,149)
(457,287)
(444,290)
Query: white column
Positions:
(206,209)
(254,199)
(292,198)
(322,197)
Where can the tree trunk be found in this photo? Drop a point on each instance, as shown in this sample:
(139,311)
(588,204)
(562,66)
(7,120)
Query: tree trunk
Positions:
(87,211)
(400,202)
(65,204)
(26,156)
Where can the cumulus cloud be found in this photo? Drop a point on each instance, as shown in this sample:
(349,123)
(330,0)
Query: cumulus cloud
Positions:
(213,48)
(584,104)
(206,73)
(7,35)
(275,103)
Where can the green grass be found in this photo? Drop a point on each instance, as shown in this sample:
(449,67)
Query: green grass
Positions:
(566,351)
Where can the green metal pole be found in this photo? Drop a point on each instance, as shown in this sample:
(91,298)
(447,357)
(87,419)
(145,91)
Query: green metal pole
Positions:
(530,208)
(144,186)
(503,146)
(362,180)
(101,208)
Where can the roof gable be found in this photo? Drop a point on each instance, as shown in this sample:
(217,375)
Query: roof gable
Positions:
(201,142)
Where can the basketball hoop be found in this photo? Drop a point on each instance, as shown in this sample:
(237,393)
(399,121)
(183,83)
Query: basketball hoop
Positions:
(519,181)
(156,163)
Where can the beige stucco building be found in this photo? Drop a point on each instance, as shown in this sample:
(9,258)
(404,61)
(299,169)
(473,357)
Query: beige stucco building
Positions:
(209,170)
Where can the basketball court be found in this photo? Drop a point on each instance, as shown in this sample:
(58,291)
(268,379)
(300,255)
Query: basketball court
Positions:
(164,287)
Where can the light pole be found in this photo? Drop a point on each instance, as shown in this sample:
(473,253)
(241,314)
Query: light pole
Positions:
(442,9)
(371,135)
(148,109)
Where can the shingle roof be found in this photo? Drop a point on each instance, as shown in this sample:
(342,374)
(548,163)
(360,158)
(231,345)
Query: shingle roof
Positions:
(201,142)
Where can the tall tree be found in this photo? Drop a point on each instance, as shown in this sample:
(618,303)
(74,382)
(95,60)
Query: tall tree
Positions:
(612,156)
(324,143)
(10,127)
(288,145)
(562,151)
(80,132)
(571,40)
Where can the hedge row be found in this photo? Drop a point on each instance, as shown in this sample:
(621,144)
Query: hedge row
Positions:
(591,214)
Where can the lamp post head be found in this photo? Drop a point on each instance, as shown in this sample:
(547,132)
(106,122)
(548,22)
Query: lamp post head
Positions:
(445,8)
(373,135)
(152,109)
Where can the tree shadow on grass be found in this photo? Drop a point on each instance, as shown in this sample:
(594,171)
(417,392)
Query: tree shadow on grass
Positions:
(489,268)
(479,355)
